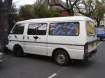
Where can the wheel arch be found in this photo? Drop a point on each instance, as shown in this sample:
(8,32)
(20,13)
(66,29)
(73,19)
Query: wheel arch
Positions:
(55,50)
(15,45)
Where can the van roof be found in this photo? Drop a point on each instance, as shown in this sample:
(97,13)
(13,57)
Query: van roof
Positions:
(57,19)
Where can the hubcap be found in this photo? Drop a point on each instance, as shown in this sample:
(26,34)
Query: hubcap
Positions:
(61,59)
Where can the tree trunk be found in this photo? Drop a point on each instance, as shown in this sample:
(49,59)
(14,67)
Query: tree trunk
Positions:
(98,22)
(3,29)
(4,11)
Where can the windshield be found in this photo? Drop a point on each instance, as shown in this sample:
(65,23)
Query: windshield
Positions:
(18,29)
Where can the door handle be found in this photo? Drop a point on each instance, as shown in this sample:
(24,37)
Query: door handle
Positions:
(23,37)
(15,36)
(36,37)
(27,37)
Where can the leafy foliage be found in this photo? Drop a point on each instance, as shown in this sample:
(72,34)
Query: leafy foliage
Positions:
(99,12)
(70,6)
(94,9)
(36,11)
(26,12)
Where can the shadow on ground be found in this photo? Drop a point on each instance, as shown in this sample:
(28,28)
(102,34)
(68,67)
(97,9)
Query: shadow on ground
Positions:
(74,63)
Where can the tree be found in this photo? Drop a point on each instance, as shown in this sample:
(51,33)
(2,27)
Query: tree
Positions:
(5,9)
(37,10)
(11,17)
(53,13)
(26,12)
(42,11)
(99,12)
(70,4)
(94,9)
(88,8)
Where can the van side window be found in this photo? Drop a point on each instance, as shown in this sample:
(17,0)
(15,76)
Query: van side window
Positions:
(31,29)
(18,29)
(37,29)
(64,29)
(41,29)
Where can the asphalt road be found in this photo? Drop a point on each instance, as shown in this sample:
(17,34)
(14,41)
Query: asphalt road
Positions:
(32,66)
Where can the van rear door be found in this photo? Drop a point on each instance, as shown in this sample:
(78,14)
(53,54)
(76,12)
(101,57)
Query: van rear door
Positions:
(91,36)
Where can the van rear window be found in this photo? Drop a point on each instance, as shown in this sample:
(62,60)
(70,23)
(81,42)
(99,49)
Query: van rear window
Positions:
(64,29)
(90,29)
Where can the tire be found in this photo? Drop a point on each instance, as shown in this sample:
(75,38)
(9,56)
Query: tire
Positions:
(61,57)
(18,51)
(101,39)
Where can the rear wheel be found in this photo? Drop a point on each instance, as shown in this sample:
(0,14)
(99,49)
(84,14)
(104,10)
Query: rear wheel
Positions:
(61,57)
(101,39)
(18,51)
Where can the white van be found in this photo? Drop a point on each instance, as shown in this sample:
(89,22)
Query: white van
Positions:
(63,38)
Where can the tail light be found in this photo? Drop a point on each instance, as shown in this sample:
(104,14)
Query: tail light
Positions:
(86,51)
(86,48)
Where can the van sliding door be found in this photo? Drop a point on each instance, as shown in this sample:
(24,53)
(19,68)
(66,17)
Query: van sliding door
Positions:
(36,41)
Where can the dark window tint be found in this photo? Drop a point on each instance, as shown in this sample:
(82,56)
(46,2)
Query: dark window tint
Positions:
(64,29)
(37,29)
(32,29)
(18,29)
(41,30)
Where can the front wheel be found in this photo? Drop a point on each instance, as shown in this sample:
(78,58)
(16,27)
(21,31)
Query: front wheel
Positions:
(18,51)
(61,57)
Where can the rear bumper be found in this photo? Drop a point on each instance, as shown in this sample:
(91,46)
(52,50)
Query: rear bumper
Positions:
(90,54)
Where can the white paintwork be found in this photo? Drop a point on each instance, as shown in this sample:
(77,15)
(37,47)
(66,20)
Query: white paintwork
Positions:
(58,19)
(40,45)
